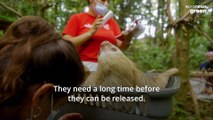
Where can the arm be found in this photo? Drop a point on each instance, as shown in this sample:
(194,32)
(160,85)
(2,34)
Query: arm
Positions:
(127,40)
(78,40)
(123,41)
(81,39)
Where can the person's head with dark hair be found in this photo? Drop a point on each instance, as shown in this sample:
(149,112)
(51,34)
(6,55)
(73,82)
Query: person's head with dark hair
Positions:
(208,67)
(210,48)
(209,54)
(34,58)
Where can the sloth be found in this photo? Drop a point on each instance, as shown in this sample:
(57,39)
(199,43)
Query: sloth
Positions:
(115,69)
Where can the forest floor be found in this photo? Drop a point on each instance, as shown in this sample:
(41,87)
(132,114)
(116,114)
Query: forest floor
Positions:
(198,85)
(205,101)
(186,111)
(205,107)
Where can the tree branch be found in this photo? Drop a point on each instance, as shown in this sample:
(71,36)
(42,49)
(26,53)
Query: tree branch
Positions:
(10,9)
(44,5)
(168,12)
(203,33)
(200,73)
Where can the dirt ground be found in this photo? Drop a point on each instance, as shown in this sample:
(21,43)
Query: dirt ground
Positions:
(205,101)
(198,85)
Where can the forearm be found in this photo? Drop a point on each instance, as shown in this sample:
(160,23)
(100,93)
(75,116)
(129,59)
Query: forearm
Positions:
(124,45)
(78,40)
(127,40)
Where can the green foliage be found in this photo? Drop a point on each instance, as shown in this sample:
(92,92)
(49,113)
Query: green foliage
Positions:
(199,43)
(125,8)
(1,33)
(197,52)
(178,112)
(150,57)
(7,18)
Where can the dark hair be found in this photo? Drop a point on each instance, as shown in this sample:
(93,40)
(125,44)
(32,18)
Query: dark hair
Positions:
(32,52)
(210,48)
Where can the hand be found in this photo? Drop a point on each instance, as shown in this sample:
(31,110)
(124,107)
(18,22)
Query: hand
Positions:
(128,35)
(96,25)
(71,116)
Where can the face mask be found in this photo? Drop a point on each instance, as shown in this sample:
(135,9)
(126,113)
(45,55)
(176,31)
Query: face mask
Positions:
(100,9)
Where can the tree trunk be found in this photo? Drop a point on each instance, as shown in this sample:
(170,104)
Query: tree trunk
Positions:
(183,30)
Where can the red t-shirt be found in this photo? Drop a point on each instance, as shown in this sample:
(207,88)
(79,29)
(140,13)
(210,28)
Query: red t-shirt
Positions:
(81,23)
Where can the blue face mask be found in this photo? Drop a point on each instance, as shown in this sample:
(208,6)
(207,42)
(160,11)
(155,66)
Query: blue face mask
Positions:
(100,9)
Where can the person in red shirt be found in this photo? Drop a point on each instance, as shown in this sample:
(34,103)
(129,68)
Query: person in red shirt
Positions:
(86,32)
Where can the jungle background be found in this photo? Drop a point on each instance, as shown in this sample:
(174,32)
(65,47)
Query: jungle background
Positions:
(173,37)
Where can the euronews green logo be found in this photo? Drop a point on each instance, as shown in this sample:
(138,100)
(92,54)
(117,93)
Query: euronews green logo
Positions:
(198,9)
